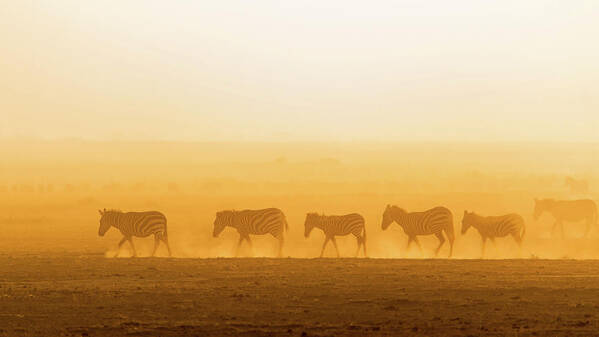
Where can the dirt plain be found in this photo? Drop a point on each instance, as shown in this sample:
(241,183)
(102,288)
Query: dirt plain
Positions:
(90,295)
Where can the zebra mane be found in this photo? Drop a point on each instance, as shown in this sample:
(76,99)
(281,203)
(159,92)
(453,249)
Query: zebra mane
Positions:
(113,210)
(397,208)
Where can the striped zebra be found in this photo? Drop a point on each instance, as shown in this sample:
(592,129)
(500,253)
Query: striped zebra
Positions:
(256,222)
(337,225)
(433,221)
(567,210)
(140,224)
(491,227)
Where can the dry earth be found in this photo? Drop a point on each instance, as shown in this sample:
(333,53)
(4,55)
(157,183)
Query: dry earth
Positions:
(89,295)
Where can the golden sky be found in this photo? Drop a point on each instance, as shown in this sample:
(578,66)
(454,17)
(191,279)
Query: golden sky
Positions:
(300,70)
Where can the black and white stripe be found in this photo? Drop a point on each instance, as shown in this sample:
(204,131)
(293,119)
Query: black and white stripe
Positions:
(491,227)
(433,221)
(337,225)
(140,224)
(256,222)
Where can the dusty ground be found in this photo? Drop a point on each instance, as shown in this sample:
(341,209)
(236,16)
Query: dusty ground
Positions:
(88,295)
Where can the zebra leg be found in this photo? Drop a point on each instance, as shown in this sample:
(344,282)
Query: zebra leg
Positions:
(409,242)
(335,244)
(165,239)
(156,243)
(132,247)
(281,242)
(364,245)
(518,239)
(441,238)
(415,239)
(493,240)
(326,240)
(241,238)
(482,253)
(120,244)
(359,239)
(247,238)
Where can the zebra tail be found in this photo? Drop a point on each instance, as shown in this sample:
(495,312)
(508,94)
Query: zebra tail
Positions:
(165,228)
(285,223)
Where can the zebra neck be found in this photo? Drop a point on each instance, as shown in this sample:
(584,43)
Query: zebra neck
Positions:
(321,224)
(234,222)
(116,223)
(400,217)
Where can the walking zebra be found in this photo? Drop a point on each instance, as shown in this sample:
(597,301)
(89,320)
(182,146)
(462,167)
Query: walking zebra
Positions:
(256,222)
(491,227)
(567,210)
(433,221)
(337,225)
(140,224)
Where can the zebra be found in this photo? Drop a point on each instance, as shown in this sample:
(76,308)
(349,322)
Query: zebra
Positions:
(491,227)
(256,222)
(140,224)
(567,210)
(577,186)
(433,221)
(337,225)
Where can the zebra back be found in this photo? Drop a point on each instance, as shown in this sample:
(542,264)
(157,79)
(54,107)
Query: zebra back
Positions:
(262,221)
(495,226)
(140,224)
(334,225)
(432,221)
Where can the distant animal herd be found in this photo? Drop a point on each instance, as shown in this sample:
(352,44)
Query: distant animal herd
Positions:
(436,221)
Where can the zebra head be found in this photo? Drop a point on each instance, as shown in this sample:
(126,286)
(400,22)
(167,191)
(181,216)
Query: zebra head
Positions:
(467,221)
(312,219)
(542,206)
(569,182)
(387,217)
(223,219)
(104,222)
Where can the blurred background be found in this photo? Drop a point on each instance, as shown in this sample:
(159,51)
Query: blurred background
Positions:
(50,192)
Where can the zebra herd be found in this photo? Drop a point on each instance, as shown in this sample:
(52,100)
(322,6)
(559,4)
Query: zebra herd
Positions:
(437,221)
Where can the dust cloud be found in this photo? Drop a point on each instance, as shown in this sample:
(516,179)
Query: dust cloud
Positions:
(50,193)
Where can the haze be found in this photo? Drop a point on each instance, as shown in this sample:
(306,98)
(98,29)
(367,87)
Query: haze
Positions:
(308,70)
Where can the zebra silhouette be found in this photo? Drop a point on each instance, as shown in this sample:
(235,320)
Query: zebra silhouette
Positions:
(337,225)
(577,186)
(256,222)
(139,224)
(433,221)
(491,227)
(568,210)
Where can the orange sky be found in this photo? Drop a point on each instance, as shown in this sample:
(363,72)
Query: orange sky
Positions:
(344,70)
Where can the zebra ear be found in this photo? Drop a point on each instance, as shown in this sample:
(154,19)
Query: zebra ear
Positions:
(101,213)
